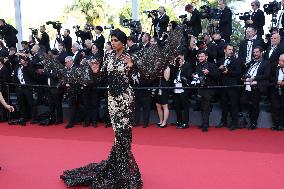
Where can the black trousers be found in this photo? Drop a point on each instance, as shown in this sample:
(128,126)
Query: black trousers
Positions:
(26,102)
(143,102)
(277,102)
(205,96)
(90,103)
(230,103)
(181,104)
(55,104)
(75,98)
(250,101)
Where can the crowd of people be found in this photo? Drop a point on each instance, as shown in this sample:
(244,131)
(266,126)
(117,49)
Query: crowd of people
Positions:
(203,60)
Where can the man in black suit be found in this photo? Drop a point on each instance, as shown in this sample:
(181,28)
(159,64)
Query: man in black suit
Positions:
(230,70)
(62,54)
(67,41)
(207,75)
(180,76)
(9,33)
(247,45)
(43,39)
(257,19)
(99,40)
(195,20)
(220,45)
(24,75)
(131,46)
(77,57)
(3,50)
(277,95)
(145,41)
(4,78)
(160,22)
(275,50)
(84,34)
(256,79)
(225,22)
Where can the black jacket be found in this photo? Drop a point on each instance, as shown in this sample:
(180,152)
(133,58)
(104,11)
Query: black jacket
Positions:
(44,42)
(243,48)
(234,72)
(100,42)
(212,77)
(28,74)
(274,58)
(258,19)
(4,75)
(262,76)
(68,44)
(9,33)
(225,22)
(185,74)
(162,22)
(274,74)
(134,48)
(195,23)
(4,52)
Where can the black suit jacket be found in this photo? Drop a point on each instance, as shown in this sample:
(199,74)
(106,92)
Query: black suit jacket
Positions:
(212,76)
(195,23)
(77,59)
(262,76)
(4,75)
(28,74)
(185,74)
(62,55)
(68,44)
(274,58)
(44,41)
(234,72)
(134,48)
(258,19)
(225,22)
(274,74)
(9,33)
(163,24)
(243,48)
(4,52)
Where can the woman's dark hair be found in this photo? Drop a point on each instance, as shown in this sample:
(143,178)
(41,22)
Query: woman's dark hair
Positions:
(120,35)
(174,24)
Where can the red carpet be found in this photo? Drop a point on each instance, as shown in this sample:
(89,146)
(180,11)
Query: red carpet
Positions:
(33,157)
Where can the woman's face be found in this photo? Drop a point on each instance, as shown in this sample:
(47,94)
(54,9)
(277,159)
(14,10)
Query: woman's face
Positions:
(116,44)
(108,47)
(94,49)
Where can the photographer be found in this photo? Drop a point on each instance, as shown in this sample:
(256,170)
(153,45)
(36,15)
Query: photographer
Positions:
(247,45)
(85,34)
(256,79)
(225,22)
(275,50)
(218,44)
(77,57)
(230,70)
(131,46)
(257,19)
(277,96)
(195,20)
(99,40)
(31,41)
(43,39)
(24,75)
(145,41)
(206,74)
(180,76)
(67,41)
(160,22)
(9,33)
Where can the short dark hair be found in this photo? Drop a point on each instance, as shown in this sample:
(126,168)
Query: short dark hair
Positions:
(148,36)
(188,7)
(100,28)
(24,43)
(202,52)
(174,24)
(228,44)
(68,30)
(258,47)
(130,38)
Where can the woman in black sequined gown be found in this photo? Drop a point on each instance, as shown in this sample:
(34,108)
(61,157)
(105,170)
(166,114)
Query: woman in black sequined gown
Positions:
(120,170)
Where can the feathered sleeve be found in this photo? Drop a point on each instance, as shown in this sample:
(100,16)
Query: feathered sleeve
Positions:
(152,60)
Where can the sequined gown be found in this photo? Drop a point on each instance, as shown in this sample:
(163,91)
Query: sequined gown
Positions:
(120,170)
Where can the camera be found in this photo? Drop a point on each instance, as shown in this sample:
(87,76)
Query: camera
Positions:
(154,12)
(245,16)
(222,69)
(199,80)
(208,12)
(34,31)
(77,27)
(56,25)
(109,27)
(272,7)
(89,27)
(184,16)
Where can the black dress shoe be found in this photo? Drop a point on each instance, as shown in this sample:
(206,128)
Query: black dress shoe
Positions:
(108,125)
(22,122)
(58,122)
(221,124)
(158,124)
(232,128)
(68,126)
(86,124)
(183,126)
(252,126)
(275,127)
(204,129)
(94,124)
(48,121)
(280,128)
(34,121)
(177,124)
(145,125)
